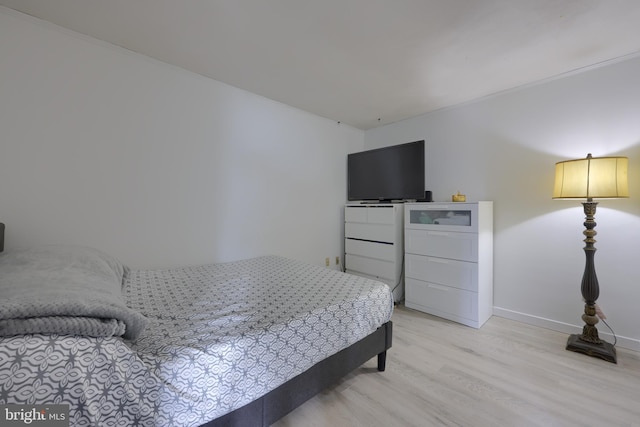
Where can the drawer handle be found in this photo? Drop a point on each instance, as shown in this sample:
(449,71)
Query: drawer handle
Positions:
(438,287)
(438,260)
(438,233)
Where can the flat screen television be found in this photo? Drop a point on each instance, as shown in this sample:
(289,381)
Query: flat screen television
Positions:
(388,173)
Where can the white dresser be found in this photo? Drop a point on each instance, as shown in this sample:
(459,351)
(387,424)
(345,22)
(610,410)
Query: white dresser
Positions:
(373,243)
(449,260)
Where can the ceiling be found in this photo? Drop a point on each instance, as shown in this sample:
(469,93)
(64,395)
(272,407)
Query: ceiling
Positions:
(361,62)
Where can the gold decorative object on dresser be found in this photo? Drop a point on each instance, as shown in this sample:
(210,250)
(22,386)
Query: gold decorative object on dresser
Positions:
(458,197)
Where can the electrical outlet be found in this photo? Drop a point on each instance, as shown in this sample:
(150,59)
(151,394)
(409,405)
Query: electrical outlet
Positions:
(326,261)
(337,260)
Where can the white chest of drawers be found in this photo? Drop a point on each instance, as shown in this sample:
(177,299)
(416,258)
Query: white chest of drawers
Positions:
(374,243)
(449,260)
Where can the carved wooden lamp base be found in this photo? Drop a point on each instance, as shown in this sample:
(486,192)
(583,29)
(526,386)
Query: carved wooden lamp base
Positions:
(603,350)
(588,342)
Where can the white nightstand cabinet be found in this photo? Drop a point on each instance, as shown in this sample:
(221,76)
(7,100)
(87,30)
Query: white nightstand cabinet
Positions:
(373,243)
(449,260)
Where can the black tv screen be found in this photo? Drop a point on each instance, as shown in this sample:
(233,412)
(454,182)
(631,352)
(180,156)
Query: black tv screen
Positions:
(388,173)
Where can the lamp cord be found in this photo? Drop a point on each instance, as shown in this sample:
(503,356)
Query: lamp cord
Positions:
(400,282)
(602,317)
(615,338)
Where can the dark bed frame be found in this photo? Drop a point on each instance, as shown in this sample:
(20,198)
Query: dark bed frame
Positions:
(279,402)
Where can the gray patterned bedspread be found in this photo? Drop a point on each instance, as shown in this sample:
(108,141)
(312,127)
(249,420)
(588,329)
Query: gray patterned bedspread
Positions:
(218,336)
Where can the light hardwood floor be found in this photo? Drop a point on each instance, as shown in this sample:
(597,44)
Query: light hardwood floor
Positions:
(507,373)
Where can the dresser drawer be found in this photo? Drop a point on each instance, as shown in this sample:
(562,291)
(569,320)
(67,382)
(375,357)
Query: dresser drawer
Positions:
(355,214)
(371,267)
(367,249)
(381,215)
(371,232)
(371,214)
(449,272)
(442,244)
(461,217)
(443,301)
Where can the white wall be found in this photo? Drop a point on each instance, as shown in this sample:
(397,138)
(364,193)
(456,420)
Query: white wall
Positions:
(155,165)
(504,149)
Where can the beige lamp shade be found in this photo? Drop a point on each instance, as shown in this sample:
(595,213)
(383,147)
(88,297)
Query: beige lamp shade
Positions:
(593,177)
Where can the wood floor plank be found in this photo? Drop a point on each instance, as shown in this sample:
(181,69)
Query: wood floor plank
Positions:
(507,373)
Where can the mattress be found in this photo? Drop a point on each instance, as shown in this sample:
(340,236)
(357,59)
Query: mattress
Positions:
(217,337)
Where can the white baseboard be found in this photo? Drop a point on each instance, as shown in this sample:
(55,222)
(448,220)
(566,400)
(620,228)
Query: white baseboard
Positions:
(554,325)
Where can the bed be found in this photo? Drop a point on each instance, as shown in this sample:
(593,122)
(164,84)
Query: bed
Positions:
(240,343)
